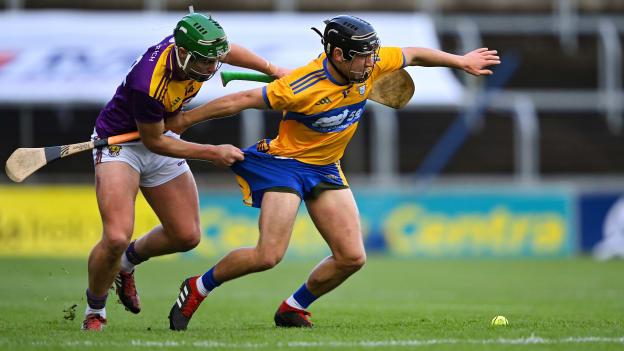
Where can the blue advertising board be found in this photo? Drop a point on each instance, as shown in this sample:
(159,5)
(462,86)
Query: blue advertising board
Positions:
(439,224)
(593,210)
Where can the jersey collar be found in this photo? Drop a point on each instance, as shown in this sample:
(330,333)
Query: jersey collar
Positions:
(329,76)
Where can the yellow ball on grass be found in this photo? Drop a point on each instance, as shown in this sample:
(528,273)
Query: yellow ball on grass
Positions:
(499,320)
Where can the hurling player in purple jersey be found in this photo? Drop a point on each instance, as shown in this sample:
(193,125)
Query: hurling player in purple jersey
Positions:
(161,81)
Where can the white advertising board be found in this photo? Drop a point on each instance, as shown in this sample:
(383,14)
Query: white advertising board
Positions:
(80,57)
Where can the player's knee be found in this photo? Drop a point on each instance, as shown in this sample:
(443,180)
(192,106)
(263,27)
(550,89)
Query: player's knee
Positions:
(268,260)
(185,237)
(116,243)
(352,262)
(189,241)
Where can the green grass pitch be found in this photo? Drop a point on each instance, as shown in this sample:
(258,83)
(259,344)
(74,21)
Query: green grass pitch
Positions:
(392,304)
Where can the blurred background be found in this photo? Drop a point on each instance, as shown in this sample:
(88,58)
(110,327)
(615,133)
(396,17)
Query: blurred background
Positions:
(527,163)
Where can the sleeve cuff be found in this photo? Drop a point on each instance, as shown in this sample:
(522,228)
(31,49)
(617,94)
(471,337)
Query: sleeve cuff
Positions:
(266,97)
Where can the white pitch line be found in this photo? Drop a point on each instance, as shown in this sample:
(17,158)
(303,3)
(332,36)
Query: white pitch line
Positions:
(209,344)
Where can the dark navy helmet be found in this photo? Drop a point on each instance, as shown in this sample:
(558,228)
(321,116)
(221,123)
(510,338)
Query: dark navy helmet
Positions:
(351,34)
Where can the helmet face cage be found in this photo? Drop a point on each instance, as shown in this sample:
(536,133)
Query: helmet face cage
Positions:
(363,74)
(195,66)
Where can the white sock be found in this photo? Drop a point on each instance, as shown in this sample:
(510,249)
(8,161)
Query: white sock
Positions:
(293,303)
(201,288)
(126,265)
(101,312)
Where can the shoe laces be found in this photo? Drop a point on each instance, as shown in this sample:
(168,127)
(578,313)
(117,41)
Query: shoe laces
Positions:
(193,301)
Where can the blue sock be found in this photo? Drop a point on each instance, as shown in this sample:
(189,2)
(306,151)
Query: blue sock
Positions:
(209,281)
(304,297)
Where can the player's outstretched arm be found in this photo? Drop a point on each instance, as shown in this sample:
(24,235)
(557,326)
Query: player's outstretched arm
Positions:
(153,138)
(224,106)
(474,62)
(243,57)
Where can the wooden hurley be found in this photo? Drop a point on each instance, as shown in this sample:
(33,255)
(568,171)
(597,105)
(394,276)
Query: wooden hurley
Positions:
(26,161)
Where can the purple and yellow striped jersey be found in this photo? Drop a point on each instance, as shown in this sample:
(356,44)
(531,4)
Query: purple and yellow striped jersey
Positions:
(320,114)
(148,94)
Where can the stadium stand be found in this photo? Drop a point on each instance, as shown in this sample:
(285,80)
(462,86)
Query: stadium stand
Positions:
(570,70)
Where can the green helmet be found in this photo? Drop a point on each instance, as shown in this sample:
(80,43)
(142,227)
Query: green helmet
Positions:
(205,41)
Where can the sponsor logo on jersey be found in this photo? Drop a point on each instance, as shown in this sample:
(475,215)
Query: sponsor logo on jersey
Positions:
(332,121)
(323,101)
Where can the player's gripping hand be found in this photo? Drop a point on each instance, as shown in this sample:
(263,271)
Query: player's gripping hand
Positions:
(225,155)
(476,61)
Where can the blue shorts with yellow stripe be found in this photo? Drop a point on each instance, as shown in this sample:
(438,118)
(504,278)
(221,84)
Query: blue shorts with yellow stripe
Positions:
(260,172)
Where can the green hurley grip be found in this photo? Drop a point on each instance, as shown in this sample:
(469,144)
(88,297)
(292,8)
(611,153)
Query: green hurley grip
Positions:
(227,76)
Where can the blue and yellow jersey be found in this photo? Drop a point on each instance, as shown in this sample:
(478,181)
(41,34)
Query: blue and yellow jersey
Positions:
(148,93)
(320,114)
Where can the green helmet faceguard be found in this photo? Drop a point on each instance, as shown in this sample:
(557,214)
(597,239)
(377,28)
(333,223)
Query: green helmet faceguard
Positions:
(206,43)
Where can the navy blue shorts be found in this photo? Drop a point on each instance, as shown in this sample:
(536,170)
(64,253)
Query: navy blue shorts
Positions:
(261,172)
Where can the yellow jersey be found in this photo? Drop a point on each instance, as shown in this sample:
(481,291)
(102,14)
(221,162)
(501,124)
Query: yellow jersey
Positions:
(320,115)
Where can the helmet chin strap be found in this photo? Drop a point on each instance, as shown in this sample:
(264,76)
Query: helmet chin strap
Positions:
(331,62)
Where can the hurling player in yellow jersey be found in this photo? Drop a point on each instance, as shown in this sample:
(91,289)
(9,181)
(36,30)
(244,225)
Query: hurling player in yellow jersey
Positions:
(322,103)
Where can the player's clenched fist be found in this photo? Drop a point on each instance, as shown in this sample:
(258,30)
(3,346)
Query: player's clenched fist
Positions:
(225,155)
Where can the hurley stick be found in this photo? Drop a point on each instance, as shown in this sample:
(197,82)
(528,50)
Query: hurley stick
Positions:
(26,161)
(394,89)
